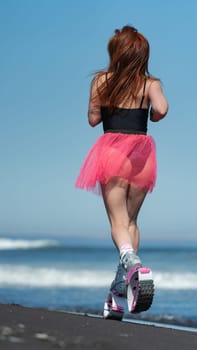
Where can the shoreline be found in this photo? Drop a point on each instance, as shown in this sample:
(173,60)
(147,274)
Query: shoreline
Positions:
(166,320)
(41,329)
(138,321)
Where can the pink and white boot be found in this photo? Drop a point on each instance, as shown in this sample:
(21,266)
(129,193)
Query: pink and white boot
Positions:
(116,301)
(133,287)
(139,282)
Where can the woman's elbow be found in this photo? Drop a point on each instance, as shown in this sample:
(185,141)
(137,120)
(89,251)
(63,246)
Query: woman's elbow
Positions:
(156,117)
(164,109)
(94,116)
(92,122)
(159,113)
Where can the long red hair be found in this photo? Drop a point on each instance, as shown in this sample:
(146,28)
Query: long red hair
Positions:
(128,67)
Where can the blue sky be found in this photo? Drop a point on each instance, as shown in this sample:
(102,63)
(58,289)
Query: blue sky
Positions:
(49,49)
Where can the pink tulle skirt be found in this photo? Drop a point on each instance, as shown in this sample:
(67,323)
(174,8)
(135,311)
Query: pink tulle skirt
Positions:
(130,157)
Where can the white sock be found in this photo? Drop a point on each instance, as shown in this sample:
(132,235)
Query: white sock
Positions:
(126,248)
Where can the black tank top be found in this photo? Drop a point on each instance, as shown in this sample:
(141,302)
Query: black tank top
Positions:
(129,121)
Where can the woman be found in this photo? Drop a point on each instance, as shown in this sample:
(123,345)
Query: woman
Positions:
(122,163)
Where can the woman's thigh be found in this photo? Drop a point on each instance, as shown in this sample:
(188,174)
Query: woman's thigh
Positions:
(135,199)
(115,200)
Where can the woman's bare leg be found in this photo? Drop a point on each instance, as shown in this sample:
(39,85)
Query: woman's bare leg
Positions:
(122,203)
(115,194)
(135,198)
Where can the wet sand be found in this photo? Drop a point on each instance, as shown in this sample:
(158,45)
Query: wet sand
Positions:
(39,329)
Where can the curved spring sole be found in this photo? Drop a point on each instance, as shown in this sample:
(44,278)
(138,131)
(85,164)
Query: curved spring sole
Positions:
(114,307)
(140,289)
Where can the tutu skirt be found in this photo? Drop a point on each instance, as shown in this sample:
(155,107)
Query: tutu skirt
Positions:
(129,157)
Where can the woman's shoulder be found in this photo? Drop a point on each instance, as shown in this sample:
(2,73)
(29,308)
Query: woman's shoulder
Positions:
(153,81)
(150,80)
(100,78)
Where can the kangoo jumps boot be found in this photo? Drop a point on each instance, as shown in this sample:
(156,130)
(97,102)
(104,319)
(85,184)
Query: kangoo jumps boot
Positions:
(115,303)
(132,287)
(139,283)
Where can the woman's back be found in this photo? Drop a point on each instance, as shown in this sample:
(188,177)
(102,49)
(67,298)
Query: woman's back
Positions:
(128,102)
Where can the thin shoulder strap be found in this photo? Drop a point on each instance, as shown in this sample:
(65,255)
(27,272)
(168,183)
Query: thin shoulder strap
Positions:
(143,94)
(106,80)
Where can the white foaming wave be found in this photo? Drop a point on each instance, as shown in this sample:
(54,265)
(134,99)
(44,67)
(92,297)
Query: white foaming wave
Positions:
(173,280)
(9,244)
(51,277)
(26,276)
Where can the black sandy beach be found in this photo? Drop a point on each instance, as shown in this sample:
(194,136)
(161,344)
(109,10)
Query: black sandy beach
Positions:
(40,329)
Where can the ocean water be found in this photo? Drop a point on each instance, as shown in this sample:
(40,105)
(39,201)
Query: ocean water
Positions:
(75,276)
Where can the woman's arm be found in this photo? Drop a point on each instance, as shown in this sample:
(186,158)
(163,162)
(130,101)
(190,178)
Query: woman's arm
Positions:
(94,111)
(159,104)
